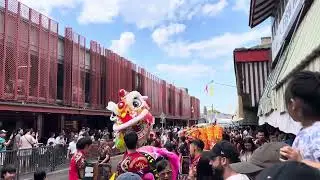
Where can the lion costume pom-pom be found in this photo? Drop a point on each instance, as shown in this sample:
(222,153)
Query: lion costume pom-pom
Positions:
(130,113)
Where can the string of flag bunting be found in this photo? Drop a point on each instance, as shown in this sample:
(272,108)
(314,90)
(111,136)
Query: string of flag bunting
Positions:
(209,89)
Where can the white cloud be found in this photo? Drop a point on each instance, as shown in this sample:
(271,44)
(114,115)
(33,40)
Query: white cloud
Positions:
(145,13)
(213,9)
(121,46)
(193,70)
(162,34)
(102,11)
(142,13)
(242,5)
(46,6)
(214,47)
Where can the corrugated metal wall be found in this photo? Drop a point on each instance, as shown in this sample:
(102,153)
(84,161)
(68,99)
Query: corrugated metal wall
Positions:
(252,77)
(29,53)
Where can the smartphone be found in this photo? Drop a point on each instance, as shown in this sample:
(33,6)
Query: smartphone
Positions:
(283,158)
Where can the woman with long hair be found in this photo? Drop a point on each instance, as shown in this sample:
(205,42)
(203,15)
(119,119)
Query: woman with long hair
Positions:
(248,147)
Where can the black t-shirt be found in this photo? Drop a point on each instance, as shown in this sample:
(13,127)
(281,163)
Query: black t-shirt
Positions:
(183,149)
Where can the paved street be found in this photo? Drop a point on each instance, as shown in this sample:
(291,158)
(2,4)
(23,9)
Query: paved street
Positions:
(63,174)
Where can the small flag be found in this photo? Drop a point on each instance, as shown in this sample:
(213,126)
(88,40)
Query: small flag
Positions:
(211,90)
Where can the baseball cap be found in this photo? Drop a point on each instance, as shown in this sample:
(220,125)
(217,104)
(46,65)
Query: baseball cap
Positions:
(3,131)
(225,149)
(129,176)
(289,170)
(265,156)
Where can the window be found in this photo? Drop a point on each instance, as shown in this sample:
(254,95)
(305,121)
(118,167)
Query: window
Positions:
(34,61)
(87,87)
(278,14)
(60,75)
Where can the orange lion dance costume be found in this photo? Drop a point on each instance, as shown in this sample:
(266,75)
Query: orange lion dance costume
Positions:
(209,134)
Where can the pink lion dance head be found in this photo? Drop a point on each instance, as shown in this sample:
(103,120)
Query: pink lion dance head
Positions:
(131,113)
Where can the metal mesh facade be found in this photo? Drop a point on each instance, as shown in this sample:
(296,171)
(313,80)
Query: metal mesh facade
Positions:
(74,72)
(29,51)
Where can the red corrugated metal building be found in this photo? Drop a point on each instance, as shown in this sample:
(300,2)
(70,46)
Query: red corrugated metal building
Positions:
(252,67)
(49,82)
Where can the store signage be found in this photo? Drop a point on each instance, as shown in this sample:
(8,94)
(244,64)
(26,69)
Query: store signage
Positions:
(288,18)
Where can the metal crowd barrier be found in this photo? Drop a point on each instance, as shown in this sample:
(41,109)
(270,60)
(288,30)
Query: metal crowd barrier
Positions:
(29,160)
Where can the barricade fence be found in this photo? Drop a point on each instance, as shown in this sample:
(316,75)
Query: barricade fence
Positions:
(29,160)
(48,158)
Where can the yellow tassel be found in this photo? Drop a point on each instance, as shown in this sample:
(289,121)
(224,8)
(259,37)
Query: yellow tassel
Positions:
(113,177)
(123,114)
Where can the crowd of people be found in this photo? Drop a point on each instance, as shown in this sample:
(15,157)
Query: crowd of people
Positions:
(243,153)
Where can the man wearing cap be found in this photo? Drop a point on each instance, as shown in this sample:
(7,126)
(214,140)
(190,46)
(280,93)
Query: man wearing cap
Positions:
(3,144)
(265,156)
(222,155)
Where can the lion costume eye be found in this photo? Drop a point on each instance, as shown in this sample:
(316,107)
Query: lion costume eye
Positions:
(136,103)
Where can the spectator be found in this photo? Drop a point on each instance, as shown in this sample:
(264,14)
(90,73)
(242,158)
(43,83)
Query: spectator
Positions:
(27,141)
(77,163)
(104,151)
(52,140)
(222,155)
(183,147)
(196,148)
(289,170)
(247,149)
(157,140)
(3,142)
(261,138)
(225,137)
(60,141)
(263,157)
(302,97)
(8,172)
(40,175)
(16,143)
(72,148)
(204,169)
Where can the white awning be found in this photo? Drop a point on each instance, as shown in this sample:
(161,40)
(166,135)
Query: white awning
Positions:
(282,121)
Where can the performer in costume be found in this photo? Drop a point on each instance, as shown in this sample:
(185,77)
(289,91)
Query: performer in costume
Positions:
(78,160)
(134,161)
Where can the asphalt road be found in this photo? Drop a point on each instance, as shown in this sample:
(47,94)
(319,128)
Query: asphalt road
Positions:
(63,174)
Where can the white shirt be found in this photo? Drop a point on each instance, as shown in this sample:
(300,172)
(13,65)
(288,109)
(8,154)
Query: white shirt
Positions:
(27,141)
(60,140)
(51,140)
(238,177)
(72,147)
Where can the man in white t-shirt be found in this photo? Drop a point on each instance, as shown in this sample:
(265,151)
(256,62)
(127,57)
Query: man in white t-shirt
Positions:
(72,148)
(52,140)
(222,155)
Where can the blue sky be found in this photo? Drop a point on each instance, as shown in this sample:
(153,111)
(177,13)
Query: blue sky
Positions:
(186,42)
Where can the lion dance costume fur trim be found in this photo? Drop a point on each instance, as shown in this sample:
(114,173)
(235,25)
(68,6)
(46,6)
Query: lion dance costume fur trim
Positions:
(130,113)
